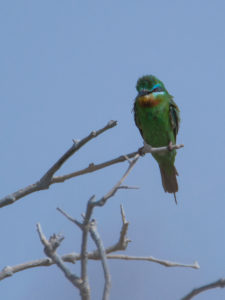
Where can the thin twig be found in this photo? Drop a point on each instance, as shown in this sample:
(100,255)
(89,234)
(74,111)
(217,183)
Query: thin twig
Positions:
(85,229)
(123,241)
(112,192)
(46,179)
(217,284)
(70,218)
(95,167)
(165,263)
(96,238)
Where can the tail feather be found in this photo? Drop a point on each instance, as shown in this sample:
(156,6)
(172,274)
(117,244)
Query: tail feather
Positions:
(169,180)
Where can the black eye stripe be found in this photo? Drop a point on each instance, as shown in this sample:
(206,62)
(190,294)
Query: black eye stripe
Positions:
(157,89)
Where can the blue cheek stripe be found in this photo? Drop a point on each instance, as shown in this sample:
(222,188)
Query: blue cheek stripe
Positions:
(155,86)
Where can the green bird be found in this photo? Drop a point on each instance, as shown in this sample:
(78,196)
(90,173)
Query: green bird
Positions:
(157,117)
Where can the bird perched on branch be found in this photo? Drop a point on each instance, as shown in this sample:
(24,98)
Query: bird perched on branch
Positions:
(157,117)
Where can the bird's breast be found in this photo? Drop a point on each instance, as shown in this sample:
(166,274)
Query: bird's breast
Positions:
(149,100)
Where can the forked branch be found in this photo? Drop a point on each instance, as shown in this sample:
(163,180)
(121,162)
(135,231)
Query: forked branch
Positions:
(46,180)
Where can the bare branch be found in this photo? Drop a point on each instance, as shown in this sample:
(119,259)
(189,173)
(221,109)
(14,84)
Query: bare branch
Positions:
(87,226)
(165,263)
(74,257)
(46,179)
(123,240)
(50,250)
(70,218)
(84,251)
(123,214)
(96,238)
(219,283)
(149,149)
(94,167)
(84,255)
(112,192)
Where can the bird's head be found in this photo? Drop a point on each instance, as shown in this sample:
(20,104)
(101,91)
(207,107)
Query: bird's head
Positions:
(150,84)
(150,90)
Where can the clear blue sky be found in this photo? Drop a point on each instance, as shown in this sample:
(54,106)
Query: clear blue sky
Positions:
(68,68)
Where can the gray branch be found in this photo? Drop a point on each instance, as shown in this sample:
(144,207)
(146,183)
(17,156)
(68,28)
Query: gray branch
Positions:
(95,167)
(149,149)
(84,254)
(74,257)
(121,245)
(86,226)
(46,180)
(96,238)
(71,257)
(116,187)
(162,262)
(217,284)
(50,247)
(90,226)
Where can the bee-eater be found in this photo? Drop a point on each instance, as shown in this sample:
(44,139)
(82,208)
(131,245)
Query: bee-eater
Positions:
(157,117)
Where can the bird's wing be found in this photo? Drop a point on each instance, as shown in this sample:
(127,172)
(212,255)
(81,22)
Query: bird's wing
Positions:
(136,119)
(174,114)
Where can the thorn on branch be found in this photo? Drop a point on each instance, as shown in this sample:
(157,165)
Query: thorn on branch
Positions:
(91,165)
(76,142)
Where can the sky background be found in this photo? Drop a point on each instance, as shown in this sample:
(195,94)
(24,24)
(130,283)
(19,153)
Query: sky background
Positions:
(67,68)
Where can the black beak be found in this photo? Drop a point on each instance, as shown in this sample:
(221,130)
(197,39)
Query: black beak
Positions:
(143,93)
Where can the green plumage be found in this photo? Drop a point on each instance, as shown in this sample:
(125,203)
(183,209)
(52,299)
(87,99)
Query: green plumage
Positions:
(157,117)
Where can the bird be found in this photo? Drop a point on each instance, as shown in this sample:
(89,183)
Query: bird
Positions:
(158,118)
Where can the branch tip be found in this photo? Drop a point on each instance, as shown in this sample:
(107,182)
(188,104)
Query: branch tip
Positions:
(112,123)
(76,142)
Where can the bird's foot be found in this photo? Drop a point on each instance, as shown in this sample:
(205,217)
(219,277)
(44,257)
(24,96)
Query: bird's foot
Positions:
(170,146)
(141,151)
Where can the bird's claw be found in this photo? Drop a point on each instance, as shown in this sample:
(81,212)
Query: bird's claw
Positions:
(141,151)
(170,146)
